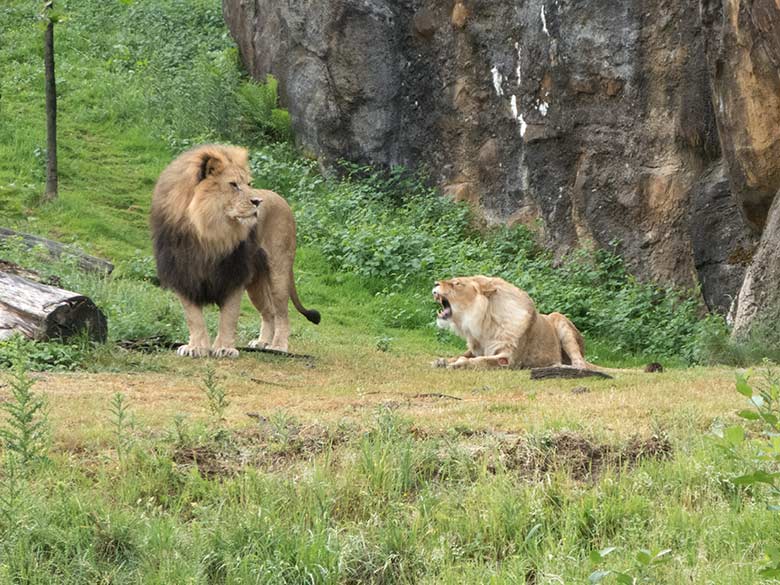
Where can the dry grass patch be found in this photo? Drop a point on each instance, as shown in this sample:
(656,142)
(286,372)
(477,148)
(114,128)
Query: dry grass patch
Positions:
(344,388)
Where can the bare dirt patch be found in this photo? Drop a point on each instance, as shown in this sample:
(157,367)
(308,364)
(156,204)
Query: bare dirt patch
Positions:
(268,446)
(274,447)
(583,458)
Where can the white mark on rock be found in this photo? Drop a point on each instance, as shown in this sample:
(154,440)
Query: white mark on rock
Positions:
(544,23)
(523,125)
(518,116)
(498,79)
(518,69)
(543,107)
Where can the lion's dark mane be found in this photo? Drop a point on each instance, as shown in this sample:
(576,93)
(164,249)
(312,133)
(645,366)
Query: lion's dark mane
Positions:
(184,267)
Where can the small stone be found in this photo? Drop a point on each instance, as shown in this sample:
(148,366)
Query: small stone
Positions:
(585,85)
(612,87)
(425,23)
(580,390)
(488,155)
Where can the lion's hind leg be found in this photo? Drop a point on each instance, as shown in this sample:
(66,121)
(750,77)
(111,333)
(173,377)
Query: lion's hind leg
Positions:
(260,295)
(279,299)
(572,343)
(500,360)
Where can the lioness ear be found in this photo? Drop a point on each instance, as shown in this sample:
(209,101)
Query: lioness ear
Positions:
(488,289)
(486,286)
(211,165)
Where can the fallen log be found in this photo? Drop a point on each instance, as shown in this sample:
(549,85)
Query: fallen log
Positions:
(43,312)
(565,372)
(56,250)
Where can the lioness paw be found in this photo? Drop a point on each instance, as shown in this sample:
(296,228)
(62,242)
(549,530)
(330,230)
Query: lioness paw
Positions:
(439,363)
(225,352)
(193,351)
(458,364)
(258,344)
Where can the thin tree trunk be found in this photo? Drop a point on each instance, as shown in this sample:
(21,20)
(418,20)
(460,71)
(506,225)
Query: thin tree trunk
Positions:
(51,110)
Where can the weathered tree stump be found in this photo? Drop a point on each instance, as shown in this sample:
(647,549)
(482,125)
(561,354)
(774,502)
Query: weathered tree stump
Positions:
(56,250)
(43,312)
(565,372)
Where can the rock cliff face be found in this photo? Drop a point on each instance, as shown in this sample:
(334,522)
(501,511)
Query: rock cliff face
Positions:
(655,123)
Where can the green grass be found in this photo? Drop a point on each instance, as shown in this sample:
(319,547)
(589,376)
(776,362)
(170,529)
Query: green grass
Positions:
(364,465)
(380,506)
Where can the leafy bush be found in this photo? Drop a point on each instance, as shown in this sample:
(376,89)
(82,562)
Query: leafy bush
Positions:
(716,346)
(757,450)
(45,356)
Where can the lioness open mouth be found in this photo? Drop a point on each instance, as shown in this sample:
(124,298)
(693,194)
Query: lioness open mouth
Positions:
(446,308)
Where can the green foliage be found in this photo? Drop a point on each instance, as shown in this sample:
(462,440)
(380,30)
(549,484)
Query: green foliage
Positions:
(645,561)
(216,396)
(46,356)
(260,112)
(716,346)
(121,422)
(384,343)
(757,453)
(25,433)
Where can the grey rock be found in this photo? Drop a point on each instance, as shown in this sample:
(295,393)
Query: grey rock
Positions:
(722,247)
(759,298)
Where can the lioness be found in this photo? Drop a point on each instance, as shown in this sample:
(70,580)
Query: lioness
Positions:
(215,236)
(503,328)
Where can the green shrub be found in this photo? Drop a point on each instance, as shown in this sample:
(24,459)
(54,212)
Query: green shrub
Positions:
(756,448)
(716,346)
(24,434)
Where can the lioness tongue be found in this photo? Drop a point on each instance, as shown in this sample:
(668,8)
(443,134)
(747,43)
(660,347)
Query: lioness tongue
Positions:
(445,313)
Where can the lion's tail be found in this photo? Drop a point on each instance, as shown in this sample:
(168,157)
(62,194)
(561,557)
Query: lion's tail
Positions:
(311,314)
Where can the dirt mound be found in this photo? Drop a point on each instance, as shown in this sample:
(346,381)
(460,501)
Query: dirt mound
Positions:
(582,457)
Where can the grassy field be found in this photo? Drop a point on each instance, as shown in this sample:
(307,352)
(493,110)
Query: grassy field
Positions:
(361,465)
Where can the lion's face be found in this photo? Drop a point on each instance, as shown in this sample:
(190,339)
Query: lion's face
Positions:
(223,198)
(461,299)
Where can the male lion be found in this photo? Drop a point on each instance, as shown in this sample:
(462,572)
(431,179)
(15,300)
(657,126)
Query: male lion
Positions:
(215,236)
(503,328)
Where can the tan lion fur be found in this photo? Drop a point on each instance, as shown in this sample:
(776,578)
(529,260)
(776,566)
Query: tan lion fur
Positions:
(503,328)
(270,291)
(214,236)
(194,191)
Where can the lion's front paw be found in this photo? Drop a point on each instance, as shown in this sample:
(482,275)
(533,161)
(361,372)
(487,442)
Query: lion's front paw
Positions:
(193,351)
(439,363)
(225,352)
(258,344)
